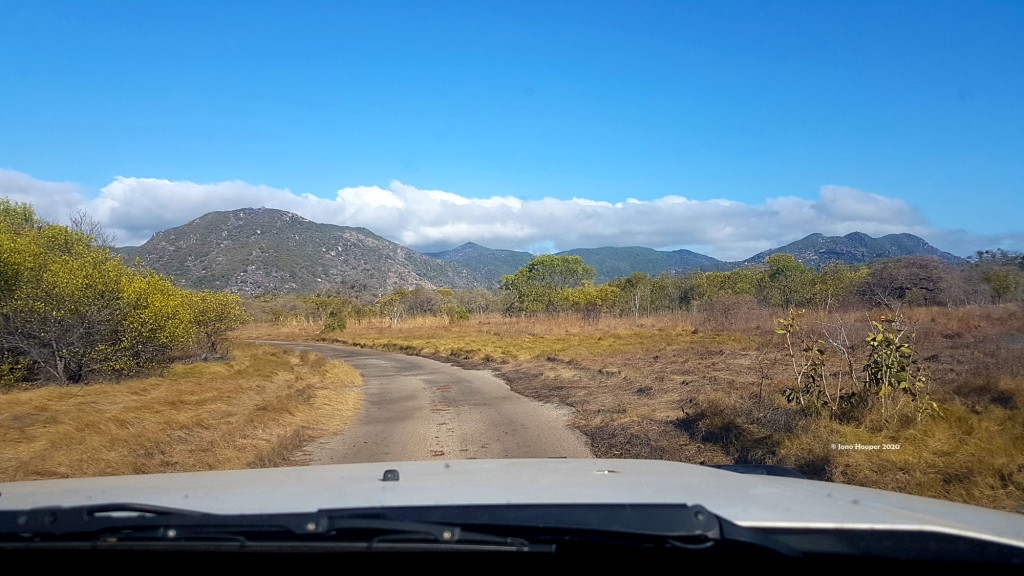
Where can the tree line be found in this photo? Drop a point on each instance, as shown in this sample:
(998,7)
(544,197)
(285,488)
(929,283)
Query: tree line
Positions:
(564,284)
(552,284)
(70,311)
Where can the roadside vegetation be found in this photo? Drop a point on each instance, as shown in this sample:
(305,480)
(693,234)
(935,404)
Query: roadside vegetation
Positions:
(107,368)
(778,364)
(70,312)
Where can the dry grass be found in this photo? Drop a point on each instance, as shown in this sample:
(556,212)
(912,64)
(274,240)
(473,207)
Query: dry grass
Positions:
(704,388)
(494,338)
(963,457)
(294,330)
(253,411)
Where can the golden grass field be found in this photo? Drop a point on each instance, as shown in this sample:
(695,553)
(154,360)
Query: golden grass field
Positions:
(704,388)
(253,411)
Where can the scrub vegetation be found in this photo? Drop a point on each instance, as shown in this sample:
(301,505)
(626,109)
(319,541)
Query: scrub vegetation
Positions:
(71,312)
(906,375)
(107,368)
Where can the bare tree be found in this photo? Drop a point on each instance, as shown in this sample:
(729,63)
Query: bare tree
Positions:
(910,280)
(81,220)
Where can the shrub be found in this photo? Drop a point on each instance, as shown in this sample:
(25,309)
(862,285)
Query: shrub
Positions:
(70,310)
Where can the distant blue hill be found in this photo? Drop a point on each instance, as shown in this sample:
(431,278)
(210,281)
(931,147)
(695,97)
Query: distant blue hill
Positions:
(814,250)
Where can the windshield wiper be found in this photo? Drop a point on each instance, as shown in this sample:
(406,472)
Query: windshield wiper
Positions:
(133,524)
(493,527)
(661,526)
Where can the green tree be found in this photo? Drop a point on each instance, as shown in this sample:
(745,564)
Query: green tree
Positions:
(334,312)
(1001,282)
(589,300)
(785,283)
(693,289)
(423,301)
(634,293)
(664,293)
(393,306)
(479,300)
(836,283)
(536,286)
(450,309)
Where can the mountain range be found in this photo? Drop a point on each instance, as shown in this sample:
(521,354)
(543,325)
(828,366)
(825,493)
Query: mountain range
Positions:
(255,250)
(609,262)
(814,250)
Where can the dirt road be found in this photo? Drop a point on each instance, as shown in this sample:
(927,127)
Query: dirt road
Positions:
(421,409)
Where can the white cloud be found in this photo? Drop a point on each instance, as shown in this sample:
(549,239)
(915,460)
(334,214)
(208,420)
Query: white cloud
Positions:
(964,243)
(52,200)
(370,197)
(840,204)
(135,208)
(429,220)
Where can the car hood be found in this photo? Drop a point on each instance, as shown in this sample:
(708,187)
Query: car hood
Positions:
(746,499)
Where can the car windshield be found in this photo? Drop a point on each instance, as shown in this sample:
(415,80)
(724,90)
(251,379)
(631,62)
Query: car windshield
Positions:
(779,239)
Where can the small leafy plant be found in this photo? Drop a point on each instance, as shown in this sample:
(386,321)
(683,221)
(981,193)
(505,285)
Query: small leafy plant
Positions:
(891,371)
(816,384)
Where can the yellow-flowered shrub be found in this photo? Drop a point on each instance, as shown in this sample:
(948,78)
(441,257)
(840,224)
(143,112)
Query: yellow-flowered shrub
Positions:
(71,310)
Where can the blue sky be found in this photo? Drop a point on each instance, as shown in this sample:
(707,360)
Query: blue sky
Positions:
(709,125)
